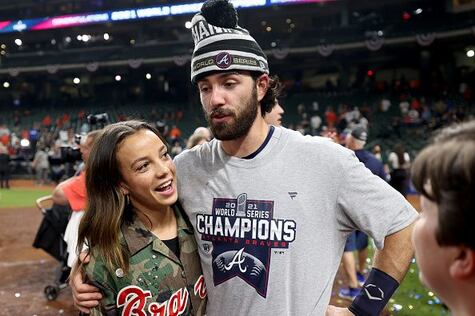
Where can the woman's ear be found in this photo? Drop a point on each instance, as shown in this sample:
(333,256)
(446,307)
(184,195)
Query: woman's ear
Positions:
(463,266)
(262,84)
(124,189)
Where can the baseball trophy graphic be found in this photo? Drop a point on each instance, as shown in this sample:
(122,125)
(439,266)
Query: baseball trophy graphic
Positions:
(241,204)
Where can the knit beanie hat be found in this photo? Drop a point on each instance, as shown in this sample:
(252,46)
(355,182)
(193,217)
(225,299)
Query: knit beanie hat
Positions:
(222,45)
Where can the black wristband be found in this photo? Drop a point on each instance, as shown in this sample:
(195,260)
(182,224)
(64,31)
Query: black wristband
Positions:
(375,294)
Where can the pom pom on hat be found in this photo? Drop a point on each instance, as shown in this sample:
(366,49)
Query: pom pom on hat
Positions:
(220,13)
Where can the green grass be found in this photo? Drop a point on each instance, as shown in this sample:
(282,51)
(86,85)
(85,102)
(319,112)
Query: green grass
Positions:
(412,298)
(21,197)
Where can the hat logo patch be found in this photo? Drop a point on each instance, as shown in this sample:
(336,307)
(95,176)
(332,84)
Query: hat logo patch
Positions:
(223,60)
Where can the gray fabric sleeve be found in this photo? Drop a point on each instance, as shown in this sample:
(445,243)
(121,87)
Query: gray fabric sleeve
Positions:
(369,204)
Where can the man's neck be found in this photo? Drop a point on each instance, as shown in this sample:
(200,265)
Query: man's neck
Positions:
(250,142)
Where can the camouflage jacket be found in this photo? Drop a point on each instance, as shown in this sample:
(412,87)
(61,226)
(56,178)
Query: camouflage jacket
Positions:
(158,283)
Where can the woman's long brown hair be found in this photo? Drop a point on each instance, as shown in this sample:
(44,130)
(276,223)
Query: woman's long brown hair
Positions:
(106,209)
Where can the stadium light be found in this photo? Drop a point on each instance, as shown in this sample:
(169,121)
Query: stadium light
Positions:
(118,78)
(76,80)
(106,36)
(6,84)
(188,24)
(18,41)
(148,76)
(470,53)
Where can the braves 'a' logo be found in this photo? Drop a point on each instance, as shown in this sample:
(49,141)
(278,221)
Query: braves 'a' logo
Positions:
(223,60)
(237,259)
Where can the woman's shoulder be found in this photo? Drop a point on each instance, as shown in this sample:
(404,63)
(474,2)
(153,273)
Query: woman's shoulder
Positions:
(96,267)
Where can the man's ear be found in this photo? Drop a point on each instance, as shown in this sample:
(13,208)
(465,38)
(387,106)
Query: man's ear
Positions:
(463,265)
(262,84)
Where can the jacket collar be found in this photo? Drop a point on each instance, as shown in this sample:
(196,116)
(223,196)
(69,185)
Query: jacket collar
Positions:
(136,236)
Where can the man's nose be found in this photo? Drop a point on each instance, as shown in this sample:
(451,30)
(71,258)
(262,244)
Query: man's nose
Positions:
(217,98)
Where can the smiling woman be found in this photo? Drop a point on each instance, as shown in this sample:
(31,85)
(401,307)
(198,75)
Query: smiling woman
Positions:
(141,246)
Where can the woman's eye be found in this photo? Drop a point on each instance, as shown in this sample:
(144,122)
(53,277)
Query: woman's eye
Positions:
(142,167)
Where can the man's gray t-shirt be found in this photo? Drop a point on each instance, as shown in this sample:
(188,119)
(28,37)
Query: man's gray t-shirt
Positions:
(271,230)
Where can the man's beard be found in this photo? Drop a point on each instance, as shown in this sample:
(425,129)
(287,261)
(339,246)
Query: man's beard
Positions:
(241,122)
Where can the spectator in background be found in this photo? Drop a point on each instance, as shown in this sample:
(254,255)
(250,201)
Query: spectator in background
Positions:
(4,167)
(196,140)
(200,136)
(377,152)
(56,164)
(330,117)
(46,121)
(72,192)
(399,163)
(175,133)
(358,240)
(274,117)
(385,105)
(443,237)
(203,131)
(176,149)
(404,107)
(315,123)
(41,166)
(315,106)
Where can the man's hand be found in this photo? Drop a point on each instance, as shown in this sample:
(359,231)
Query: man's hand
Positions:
(85,296)
(337,311)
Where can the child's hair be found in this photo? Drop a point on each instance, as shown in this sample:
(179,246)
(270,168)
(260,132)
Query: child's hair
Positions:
(444,172)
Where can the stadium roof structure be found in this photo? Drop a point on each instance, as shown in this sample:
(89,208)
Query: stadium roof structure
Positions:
(299,35)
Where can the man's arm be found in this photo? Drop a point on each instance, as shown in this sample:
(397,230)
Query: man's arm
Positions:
(394,259)
(397,254)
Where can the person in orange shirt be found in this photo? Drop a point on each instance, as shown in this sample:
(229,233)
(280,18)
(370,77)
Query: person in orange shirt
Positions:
(72,192)
(175,132)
